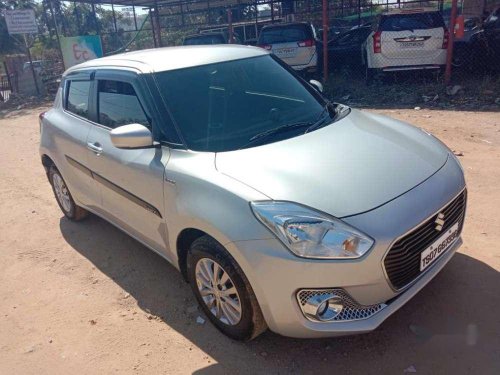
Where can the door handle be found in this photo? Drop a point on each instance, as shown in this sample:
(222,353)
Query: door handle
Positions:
(94,147)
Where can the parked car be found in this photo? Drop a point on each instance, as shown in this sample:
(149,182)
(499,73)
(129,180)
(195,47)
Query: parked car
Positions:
(480,46)
(251,41)
(336,26)
(37,65)
(281,209)
(210,38)
(465,48)
(406,39)
(346,48)
(294,43)
(492,37)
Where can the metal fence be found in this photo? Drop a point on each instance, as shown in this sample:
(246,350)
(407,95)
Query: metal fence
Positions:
(362,46)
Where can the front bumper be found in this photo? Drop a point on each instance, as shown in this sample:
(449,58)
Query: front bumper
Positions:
(276,275)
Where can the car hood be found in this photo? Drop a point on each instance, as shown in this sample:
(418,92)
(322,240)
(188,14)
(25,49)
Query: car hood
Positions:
(354,165)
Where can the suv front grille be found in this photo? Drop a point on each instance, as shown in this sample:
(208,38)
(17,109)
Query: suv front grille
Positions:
(402,262)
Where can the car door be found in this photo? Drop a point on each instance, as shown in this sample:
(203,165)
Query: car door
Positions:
(73,125)
(131,180)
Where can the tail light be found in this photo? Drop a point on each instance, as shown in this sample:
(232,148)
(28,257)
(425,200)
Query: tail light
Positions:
(266,46)
(306,43)
(377,42)
(446,39)
(40,120)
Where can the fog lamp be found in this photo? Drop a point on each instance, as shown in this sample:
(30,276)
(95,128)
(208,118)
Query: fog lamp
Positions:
(323,307)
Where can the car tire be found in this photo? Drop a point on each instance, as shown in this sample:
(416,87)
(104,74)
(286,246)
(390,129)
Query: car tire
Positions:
(205,254)
(63,197)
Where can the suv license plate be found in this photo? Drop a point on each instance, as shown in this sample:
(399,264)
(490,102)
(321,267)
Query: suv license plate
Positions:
(429,255)
(284,52)
(412,44)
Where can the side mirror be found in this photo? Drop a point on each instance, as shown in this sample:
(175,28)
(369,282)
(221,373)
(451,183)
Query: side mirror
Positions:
(131,136)
(316,84)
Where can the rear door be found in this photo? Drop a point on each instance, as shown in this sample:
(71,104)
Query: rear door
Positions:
(294,44)
(73,125)
(412,36)
(131,180)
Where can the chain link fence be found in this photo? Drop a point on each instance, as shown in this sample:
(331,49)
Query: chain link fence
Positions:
(379,51)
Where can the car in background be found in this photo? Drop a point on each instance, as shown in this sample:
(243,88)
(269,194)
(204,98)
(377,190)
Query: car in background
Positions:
(251,42)
(336,26)
(345,49)
(406,39)
(210,38)
(294,43)
(479,48)
(37,65)
(492,38)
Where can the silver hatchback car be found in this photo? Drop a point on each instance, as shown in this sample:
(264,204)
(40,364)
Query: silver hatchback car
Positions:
(280,208)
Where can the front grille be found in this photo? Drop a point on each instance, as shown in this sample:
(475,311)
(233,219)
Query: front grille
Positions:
(351,311)
(402,262)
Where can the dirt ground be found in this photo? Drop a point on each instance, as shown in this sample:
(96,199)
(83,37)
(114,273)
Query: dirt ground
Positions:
(83,297)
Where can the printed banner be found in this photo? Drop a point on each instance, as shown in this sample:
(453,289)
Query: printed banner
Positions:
(78,49)
(21,21)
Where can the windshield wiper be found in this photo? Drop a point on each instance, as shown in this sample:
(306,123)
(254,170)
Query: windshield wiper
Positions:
(322,119)
(279,129)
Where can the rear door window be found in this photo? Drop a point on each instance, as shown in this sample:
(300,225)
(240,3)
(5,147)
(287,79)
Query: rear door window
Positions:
(77,101)
(417,21)
(285,34)
(119,105)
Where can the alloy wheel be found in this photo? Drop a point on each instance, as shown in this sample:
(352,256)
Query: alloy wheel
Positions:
(218,291)
(62,192)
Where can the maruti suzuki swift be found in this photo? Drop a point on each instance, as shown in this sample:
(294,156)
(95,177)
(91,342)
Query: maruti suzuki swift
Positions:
(280,208)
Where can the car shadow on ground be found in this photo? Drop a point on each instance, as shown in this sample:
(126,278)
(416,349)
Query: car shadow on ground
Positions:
(451,326)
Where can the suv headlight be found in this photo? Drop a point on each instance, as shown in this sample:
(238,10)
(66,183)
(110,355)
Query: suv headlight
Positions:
(311,234)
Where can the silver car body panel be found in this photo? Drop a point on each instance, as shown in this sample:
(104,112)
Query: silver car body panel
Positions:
(384,177)
(364,279)
(351,166)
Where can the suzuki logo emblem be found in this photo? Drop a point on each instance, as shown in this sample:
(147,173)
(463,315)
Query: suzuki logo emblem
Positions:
(439,222)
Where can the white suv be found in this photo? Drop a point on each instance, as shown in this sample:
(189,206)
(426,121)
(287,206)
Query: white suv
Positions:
(406,39)
(294,43)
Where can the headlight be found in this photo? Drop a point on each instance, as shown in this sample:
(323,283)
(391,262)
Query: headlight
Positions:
(310,234)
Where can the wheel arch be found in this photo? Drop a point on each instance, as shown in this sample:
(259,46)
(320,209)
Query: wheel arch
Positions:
(47,162)
(184,241)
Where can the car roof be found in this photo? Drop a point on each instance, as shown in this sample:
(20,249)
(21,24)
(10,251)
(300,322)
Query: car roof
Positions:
(171,58)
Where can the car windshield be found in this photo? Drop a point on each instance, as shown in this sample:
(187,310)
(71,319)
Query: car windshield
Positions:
(416,21)
(285,34)
(225,106)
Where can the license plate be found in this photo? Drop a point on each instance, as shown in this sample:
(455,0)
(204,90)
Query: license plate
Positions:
(412,44)
(429,255)
(285,51)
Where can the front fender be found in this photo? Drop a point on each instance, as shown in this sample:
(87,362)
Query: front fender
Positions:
(198,196)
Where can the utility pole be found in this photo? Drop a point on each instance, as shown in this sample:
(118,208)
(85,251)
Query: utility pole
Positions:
(449,54)
(325,41)
(31,64)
